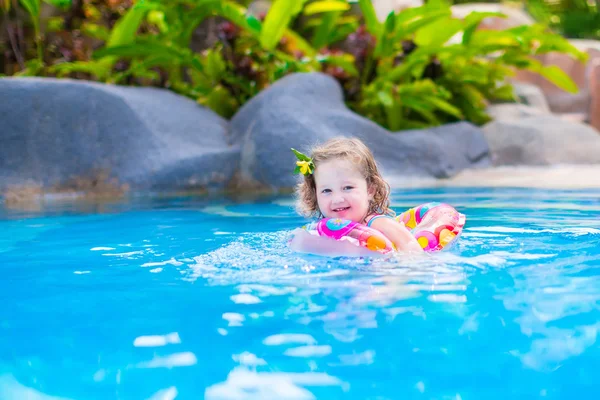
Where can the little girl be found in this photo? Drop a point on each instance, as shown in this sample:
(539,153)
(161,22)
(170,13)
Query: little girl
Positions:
(341,180)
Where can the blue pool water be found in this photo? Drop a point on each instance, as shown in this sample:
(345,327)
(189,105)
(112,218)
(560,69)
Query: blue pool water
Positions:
(185,298)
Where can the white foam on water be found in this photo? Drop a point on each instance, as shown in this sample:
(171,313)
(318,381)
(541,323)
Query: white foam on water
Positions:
(500,229)
(185,359)
(224,212)
(308,351)
(222,332)
(471,324)
(420,386)
(523,256)
(124,255)
(165,394)
(266,290)
(102,248)
(248,359)
(82,272)
(245,299)
(287,338)
(172,261)
(243,383)
(351,360)
(392,312)
(157,340)
(156,270)
(99,375)
(577,231)
(479,261)
(234,319)
(481,235)
(447,298)
(10,389)
(558,346)
(265,314)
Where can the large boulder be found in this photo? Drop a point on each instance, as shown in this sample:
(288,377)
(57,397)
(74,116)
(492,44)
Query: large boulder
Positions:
(304,109)
(525,136)
(531,95)
(56,131)
(586,101)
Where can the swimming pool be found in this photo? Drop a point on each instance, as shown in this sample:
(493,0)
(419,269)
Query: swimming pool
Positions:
(164,298)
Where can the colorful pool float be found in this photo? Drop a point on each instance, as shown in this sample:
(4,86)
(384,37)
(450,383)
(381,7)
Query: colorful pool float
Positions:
(436,226)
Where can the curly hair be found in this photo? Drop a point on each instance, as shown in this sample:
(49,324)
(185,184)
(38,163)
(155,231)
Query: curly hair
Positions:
(359,154)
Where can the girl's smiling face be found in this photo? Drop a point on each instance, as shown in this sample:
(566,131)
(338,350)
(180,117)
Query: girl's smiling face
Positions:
(342,191)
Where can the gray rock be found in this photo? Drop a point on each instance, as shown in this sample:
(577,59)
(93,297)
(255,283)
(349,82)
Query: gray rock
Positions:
(532,95)
(510,111)
(542,140)
(54,130)
(304,109)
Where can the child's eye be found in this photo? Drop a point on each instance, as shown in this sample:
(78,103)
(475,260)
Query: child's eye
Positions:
(348,187)
(325,190)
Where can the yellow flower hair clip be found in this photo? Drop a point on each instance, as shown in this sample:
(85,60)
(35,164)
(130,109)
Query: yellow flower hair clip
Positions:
(304,165)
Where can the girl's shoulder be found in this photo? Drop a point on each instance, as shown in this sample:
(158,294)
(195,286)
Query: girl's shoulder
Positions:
(372,217)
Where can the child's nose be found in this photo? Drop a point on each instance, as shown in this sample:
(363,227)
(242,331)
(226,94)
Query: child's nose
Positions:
(338,198)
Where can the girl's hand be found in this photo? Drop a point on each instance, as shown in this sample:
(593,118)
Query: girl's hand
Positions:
(399,235)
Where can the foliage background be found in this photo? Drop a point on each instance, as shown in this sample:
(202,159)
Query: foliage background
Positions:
(420,67)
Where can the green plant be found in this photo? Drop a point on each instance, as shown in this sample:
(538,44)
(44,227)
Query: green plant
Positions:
(417,68)
(422,67)
(248,55)
(572,18)
(34,65)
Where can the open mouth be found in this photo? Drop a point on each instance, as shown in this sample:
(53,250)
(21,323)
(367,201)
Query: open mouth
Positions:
(340,209)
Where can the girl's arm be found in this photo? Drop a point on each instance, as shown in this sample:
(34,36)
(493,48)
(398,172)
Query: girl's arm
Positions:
(398,234)
(304,242)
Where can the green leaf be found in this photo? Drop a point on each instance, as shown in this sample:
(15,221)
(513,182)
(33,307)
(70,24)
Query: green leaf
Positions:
(236,14)
(300,156)
(385,98)
(126,27)
(385,45)
(220,101)
(140,67)
(297,169)
(438,34)
(371,21)
(325,6)
(345,61)
(473,20)
(445,106)
(325,30)
(300,43)
(436,4)
(91,67)
(422,108)
(557,76)
(32,7)
(253,24)
(341,32)
(505,92)
(487,41)
(408,26)
(33,67)
(95,31)
(142,50)
(64,4)
(214,65)
(277,20)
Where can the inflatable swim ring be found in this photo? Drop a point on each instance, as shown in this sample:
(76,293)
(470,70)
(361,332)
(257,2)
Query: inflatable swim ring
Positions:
(436,226)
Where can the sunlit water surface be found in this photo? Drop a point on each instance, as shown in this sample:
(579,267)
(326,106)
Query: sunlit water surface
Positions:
(185,298)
